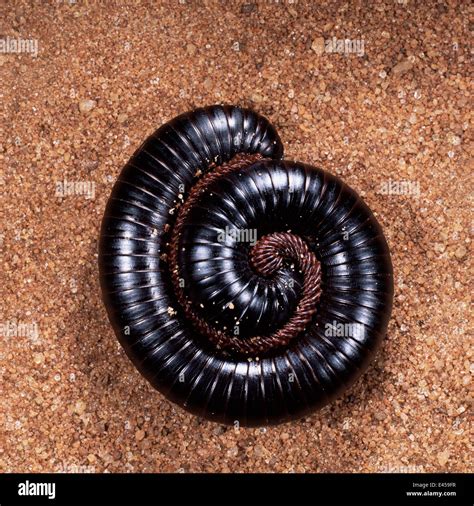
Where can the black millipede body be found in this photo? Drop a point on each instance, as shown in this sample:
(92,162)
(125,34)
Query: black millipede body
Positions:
(244,287)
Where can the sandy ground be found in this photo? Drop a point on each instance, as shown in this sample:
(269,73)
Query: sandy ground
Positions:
(394,108)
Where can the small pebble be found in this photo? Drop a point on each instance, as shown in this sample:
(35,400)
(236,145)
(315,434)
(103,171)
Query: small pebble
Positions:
(191,49)
(402,67)
(80,407)
(86,106)
(443,457)
(460,252)
(38,358)
(318,45)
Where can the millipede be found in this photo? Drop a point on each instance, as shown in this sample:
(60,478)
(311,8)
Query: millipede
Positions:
(244,287)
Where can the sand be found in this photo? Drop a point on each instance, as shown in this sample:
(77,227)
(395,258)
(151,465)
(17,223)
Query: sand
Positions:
(390,116)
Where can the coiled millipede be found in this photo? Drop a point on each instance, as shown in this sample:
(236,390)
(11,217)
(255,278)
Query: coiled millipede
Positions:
(244,287)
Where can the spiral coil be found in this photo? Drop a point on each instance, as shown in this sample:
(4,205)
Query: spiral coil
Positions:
(243,287)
